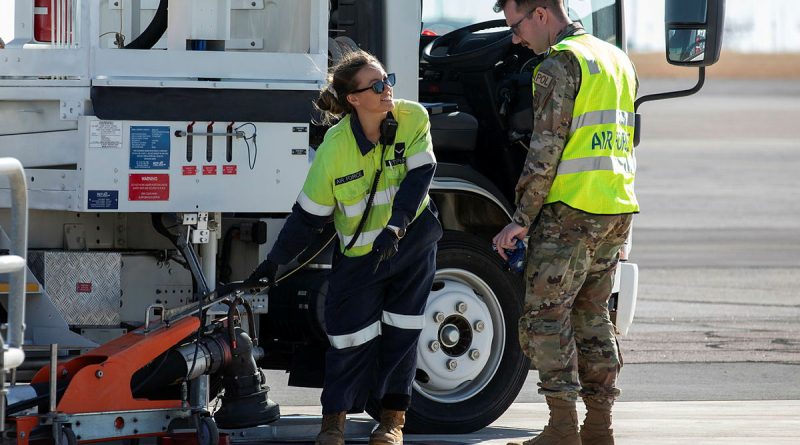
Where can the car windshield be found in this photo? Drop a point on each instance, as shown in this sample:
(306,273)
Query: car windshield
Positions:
(442,16)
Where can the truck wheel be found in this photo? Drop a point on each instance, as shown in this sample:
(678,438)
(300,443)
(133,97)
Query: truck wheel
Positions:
(469,364)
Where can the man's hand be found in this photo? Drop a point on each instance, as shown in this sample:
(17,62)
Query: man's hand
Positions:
(505,239)
(384,247)
(266,270)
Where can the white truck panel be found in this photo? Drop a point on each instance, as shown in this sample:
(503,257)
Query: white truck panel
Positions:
(140,166)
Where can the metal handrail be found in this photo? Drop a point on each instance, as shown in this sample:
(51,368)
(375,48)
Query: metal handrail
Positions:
(14,264)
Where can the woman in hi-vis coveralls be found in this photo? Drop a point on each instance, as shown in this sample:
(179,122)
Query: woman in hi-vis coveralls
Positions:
(370,176)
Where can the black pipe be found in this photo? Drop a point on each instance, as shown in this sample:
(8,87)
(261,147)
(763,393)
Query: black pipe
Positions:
(157,27)
(246,401)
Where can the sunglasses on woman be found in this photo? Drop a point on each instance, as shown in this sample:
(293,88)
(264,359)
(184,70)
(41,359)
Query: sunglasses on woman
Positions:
(378,86)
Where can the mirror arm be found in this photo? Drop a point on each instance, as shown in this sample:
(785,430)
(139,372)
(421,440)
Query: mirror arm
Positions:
(672,94)
(637,126)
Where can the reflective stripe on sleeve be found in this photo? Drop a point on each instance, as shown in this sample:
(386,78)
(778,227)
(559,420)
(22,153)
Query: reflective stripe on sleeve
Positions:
(603,117)
(364,239)
(420,159)
(615,164)
(312,207)
(404,321)
(382,197)
(356,338)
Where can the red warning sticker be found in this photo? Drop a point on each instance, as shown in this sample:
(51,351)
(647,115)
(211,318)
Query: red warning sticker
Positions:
(228,169)
(153,187)
(84,288)
(189,170)
(209,169)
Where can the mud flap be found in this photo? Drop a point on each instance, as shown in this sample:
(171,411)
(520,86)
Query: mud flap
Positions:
(626,285)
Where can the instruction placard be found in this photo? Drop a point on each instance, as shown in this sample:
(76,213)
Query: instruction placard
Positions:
(105,134)
(149,148)
(103,199)
(144,187)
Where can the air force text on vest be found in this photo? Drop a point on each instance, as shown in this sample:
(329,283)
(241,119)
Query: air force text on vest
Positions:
(610,140)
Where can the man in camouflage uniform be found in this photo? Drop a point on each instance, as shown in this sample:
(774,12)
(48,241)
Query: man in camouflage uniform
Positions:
(565,327)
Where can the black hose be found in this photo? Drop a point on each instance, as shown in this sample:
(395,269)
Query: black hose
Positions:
(150,36)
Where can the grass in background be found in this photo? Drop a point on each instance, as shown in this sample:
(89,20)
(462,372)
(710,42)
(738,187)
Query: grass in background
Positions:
(731,65)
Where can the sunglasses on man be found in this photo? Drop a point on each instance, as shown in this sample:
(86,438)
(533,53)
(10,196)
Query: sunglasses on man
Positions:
(378,86)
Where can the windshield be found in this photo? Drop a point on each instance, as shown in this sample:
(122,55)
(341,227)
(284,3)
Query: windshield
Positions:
(599,17)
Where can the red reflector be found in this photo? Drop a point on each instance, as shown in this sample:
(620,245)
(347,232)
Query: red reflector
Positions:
(429,33)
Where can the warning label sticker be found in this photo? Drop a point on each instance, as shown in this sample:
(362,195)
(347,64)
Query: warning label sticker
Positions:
(149,148)
(229,169)
(148,187)
(189,170)
(210,170)
(105,134)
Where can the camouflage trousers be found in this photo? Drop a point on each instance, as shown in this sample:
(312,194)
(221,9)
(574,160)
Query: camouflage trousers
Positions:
(565,327)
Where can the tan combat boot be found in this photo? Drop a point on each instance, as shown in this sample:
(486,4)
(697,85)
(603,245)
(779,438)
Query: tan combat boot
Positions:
(390,430)
(332,431)
(562,428)
(596,428)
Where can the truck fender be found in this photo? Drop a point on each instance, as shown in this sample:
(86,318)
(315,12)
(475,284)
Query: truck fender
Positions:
(468,201)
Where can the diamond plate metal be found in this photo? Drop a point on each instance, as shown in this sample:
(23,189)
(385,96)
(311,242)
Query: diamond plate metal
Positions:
(83,286)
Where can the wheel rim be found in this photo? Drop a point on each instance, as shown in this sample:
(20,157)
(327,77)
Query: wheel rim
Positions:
(462,343)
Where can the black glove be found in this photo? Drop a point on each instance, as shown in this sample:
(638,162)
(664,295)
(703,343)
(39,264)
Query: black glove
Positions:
(384,247)
(266,270)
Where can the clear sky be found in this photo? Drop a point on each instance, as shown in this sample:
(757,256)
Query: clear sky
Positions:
(750,25)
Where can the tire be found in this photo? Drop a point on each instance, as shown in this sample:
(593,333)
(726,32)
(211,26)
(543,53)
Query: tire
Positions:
(481,386)
(67,436)
(207,431)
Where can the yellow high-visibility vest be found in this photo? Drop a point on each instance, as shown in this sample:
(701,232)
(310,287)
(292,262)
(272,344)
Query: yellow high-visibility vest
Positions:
(340,179)
(597,167)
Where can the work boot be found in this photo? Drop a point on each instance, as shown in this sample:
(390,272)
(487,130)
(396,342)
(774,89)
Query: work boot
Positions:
(562,429)
(596,428)
(390,430)
(332,431)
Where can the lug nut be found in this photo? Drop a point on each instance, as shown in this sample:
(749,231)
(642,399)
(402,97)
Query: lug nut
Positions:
(438,317)
(452,365)
(479,326)
(461,307)
(474,354)
(434,346)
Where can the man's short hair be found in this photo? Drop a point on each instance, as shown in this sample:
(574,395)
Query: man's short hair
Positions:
(528,4)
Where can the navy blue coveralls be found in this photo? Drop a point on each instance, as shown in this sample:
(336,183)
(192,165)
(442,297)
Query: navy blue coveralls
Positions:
(373,320)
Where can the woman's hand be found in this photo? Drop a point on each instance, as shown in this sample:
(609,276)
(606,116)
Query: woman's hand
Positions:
(384,247)
(266,270)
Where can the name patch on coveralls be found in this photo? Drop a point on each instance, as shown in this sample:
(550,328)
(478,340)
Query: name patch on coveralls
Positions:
(350,177)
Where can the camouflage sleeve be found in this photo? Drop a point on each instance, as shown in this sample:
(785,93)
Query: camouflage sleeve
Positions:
(556,86)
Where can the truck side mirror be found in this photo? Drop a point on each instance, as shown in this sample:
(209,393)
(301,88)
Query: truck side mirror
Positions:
(694,31)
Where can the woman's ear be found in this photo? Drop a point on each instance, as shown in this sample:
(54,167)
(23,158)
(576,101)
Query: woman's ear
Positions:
(352,99)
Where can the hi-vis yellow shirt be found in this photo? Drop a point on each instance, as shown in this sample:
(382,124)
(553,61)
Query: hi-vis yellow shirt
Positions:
(597,167)
(341,177)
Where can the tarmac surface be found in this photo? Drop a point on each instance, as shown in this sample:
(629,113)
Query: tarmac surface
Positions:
(713,356)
